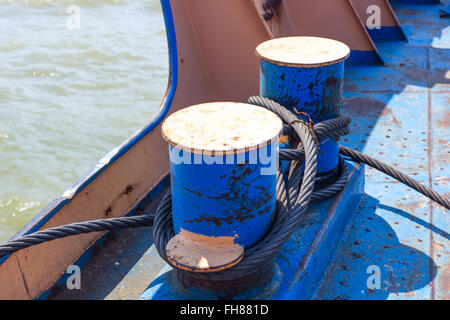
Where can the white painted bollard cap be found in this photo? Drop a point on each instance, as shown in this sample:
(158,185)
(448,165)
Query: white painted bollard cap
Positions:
(303,51)
(227,127)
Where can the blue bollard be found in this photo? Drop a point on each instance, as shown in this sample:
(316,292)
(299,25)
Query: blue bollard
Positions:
(305,74)
(223,163)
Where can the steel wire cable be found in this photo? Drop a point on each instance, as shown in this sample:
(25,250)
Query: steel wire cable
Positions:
(357,156)
(49,234)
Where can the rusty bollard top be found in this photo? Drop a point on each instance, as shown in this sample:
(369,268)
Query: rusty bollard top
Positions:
(221,126)
(303,51)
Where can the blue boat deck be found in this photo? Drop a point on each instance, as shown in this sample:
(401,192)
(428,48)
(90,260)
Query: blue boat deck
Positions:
(400,114)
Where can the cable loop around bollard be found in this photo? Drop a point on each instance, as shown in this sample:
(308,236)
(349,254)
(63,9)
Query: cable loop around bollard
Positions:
(264,251)
(293,199)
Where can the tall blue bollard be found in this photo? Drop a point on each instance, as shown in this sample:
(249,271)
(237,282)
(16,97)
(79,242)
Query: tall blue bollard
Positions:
(305,74)
(223,163)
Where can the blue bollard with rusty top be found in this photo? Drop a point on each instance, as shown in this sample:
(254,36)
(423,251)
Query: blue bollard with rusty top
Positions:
(305,74)
(223,163)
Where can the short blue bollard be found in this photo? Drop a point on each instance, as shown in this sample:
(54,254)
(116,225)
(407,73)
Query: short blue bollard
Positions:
(305,74)
(223,163)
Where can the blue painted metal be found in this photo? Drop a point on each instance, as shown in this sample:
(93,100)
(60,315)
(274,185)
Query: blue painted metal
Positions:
(385,33)
(316,91)
(284,144)
(360,57)
(227,198)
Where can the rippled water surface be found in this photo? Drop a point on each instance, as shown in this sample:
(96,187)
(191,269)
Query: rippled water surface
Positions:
(68,95)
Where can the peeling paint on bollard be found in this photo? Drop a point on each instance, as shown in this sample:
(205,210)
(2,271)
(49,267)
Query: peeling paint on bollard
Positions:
(305,74)
(199,253)
(223,163)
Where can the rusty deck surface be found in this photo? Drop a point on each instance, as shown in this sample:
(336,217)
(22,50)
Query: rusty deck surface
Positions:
(400,114)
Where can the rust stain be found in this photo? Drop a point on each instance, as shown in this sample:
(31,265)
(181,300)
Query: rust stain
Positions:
(364,105)
(128,189)
(242,206)
(445,282)
(438,246)
(199,194)
(409,12)
(423,22)
(413,206)
(408,73)
(331,97)
(271,8)
(388,112)
(444,122)
(108,211)
(283,139)
(23,279)
(348,85)
(442,141)
(199,253)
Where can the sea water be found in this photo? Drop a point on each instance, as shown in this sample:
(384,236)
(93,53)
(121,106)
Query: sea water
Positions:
(76,79)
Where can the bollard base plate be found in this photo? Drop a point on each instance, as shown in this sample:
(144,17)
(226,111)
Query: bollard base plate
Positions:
(199,253)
